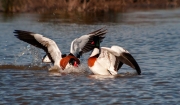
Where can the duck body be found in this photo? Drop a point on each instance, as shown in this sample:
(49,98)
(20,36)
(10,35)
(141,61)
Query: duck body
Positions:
(107,61)
(69,60)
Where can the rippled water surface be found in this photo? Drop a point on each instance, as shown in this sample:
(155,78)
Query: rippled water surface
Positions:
(152,37)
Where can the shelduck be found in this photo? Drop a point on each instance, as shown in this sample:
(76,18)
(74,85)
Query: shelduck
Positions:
(79,46)
(107,61)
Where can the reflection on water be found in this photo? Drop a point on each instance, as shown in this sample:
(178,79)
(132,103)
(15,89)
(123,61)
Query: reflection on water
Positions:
(158,16)
(81,18)
(152,37)
(5,17)
(69,17)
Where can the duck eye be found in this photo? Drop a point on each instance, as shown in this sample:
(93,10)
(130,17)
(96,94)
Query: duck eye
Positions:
(92,42)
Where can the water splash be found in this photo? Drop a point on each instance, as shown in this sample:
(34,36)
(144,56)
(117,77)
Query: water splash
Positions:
(19,55)
(82,69)
(36,59)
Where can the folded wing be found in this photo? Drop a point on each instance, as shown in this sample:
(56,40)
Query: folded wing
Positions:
(126,58)
(122,56)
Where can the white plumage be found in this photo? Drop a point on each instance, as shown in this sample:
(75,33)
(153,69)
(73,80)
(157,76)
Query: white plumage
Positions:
(110,60)
(53,54)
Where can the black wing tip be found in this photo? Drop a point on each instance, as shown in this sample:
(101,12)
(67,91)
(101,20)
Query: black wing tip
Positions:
(133,64)
(100,31)
(103,29)
(22,32)
(25,36)
(138,70)
(18,31)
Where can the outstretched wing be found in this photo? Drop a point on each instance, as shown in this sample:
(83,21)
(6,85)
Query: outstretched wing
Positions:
(85,44)
(37,40)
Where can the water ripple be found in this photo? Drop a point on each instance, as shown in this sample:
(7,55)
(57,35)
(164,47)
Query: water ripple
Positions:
(153,40)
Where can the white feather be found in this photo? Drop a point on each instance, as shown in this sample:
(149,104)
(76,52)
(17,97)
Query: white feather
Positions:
(104,64)
(111,57)
(110,51)
(118,49)
(95,52)
(46,59)
(51,46)
(78,43)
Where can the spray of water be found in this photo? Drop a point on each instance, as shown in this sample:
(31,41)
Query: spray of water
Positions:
(35,52)
(32,53)
(19,55)
(35,55)
(81,69)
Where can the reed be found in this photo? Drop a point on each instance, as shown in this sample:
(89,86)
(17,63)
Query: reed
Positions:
(83,5)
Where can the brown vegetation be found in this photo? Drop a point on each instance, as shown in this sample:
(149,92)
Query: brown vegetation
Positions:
(83,5)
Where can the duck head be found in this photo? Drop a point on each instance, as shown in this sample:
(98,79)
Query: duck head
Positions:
(73,62)
(96,44)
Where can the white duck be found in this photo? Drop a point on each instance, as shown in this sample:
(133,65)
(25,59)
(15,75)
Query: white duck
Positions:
(53,54)
(107,61)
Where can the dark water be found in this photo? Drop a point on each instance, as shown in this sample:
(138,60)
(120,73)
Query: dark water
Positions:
(152,37)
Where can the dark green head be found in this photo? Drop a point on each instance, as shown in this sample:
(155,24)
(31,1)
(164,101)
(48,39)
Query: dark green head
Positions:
(73,62)
(96,42)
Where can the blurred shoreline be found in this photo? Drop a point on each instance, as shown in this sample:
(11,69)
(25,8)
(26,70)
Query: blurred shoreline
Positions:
(61,6)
